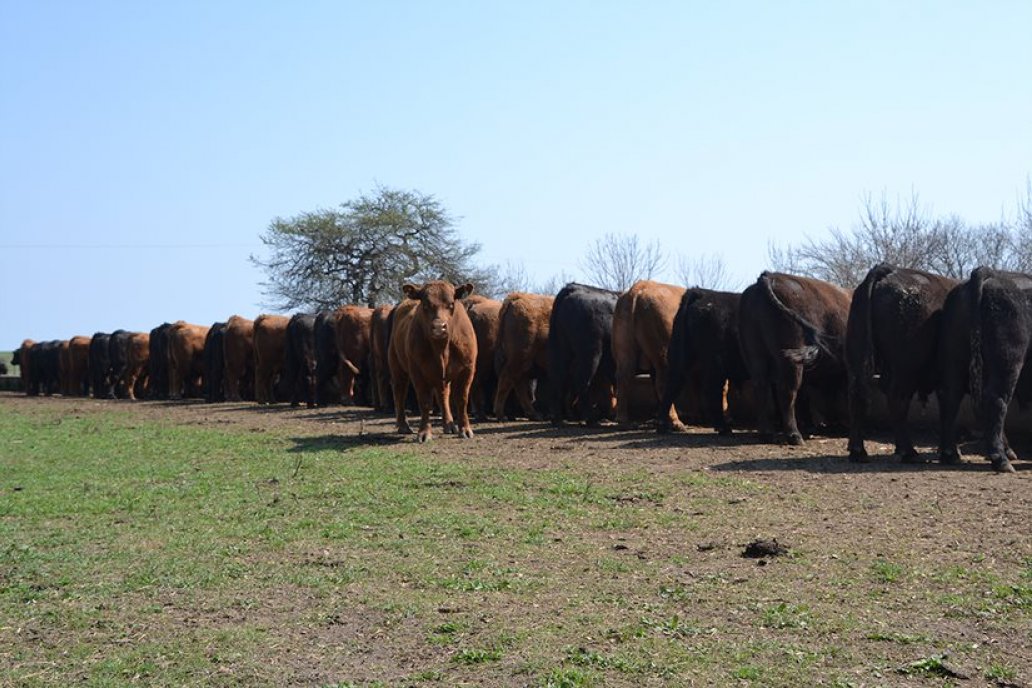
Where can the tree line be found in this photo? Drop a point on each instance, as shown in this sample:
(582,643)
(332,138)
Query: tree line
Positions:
(363,251)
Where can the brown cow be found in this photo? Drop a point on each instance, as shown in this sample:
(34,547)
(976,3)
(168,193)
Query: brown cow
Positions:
(379,371)
(354,328)
(23,359)
(485,314)
(433,346)
(522,350)
(186,360)
(788,324)
(642,325)
(75,367)
(135,380)
(238,351)
(270,341)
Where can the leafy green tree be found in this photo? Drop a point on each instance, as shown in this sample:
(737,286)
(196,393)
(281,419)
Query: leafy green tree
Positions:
(364,250)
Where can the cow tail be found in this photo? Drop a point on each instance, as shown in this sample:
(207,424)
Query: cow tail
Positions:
(877,274)
(805,355)
(499,352)
(975,285)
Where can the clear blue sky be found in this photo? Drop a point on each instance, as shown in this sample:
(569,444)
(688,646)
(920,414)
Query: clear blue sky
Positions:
(144,146)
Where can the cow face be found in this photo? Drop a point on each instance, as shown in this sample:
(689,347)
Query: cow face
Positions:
(437,305)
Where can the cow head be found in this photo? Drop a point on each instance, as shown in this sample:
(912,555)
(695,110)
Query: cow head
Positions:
(437,305)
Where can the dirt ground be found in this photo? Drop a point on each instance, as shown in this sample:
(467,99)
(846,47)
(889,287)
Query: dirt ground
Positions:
(934,517)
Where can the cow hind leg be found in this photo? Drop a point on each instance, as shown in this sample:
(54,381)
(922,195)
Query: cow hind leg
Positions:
(995,400)
(899,408)
(400,384)
(462,385)
(858,407)
(786,390)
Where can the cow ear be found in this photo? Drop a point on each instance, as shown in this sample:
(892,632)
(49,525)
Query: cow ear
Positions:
(412,292)
(463,291)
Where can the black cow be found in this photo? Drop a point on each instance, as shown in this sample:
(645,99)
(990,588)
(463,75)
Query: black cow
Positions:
(157,364)
(580,357)
(100,366)
(215,363)
(299,360)
(893,334)
(786,324)
(118,360)
(327,359)
(45,361)
(704,347)
(986,338)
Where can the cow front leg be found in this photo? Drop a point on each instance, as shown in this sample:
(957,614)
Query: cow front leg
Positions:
(447,418)
(425,397)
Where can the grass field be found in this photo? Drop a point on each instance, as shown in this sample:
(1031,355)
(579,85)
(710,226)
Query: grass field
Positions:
(163,545)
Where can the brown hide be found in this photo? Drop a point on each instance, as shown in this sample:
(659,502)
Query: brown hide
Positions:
(135,380)
(643,322)
(522,348)
(24,363)
(354,328)
(792,331)
(485,315)
(238,352)
(186,359)
(75,366)
(270,341)
(380,375)
(434,347)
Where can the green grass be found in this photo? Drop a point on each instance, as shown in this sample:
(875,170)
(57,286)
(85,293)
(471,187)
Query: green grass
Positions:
(138,551)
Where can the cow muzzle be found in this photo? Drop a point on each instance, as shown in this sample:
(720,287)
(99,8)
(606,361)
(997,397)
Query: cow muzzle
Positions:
(439,329)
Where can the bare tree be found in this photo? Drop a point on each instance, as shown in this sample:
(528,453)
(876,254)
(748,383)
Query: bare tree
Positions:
(509,277)
(708,271)
(904,234)
(554,284)
(616,261)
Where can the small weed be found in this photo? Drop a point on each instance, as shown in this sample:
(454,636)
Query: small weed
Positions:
(886,571)
(900,638)
(673,627)
(999,671)
(784,615)
(933,666)
(568,677)
(471,656)
(747,673)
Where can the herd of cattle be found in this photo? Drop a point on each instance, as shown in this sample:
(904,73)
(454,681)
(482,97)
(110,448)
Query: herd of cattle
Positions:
(788,351)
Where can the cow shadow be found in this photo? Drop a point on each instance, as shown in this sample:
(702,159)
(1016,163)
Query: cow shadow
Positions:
(834,464)
(317,444)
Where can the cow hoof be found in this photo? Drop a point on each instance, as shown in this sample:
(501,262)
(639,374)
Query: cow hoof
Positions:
(404,430)
(1003,466)
(466,434)
(952,457)
(795,439)
(1011,456)
(859,456)
(450,428)
(724,431)
(425,436)
(678,428)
